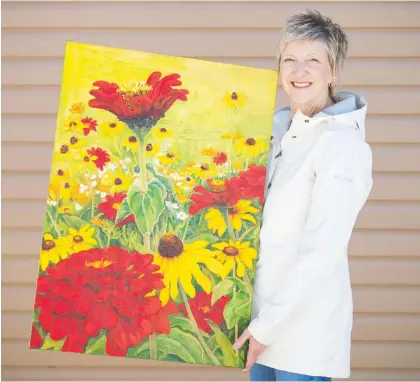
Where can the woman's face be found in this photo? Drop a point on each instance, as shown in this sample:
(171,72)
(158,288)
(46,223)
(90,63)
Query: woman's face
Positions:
(305,71)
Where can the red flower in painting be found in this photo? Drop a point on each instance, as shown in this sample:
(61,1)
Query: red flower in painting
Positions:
(220,158)
(252,182)
(97,156)
(202,309)
(89,125)
(102,289)
(36,340)
(139,101)
(221,193)
(110,208)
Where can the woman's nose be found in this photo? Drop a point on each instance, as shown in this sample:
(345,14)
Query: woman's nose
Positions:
(300,69)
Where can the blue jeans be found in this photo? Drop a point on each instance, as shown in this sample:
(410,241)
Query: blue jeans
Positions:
(264,373)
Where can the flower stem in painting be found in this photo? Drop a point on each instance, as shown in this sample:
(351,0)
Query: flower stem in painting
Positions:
(53,222)
(196,328)
(153,346)
(234,294)
(143,179)
(185,230)
(229,225)
(109,237)
(248,283)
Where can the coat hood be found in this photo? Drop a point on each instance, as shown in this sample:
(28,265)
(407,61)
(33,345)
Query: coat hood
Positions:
(350,109)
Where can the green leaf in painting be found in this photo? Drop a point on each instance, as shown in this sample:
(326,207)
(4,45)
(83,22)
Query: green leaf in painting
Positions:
(183,345)
(203,236)
(229,357)
(96,345)
(237,309)
(147,207)
(181,323)
(123,211)
(238,282)
(141,351)
(50,344)
(73,221)
(224,288)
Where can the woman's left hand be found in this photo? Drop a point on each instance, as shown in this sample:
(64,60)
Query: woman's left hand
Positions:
(254,350)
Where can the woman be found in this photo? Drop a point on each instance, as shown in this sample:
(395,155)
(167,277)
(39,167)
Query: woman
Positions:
(319,178)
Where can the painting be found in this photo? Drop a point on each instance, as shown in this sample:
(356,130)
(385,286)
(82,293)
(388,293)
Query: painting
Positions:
(151,230)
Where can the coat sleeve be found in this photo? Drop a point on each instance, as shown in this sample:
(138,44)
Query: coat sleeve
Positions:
(343,181)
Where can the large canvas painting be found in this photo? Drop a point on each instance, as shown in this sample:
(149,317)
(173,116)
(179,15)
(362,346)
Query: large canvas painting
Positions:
(154,206)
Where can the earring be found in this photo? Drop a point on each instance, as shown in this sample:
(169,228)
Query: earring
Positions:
(330,85)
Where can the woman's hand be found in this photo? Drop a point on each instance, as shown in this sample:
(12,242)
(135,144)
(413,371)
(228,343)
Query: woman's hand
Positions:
(254,350)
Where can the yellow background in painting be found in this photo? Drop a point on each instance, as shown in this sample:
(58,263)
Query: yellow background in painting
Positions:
(202,119)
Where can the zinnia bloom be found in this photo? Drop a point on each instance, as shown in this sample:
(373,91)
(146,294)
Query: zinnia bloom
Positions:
(238,252)
(89,125)
(140,105)
(179,263)
(102,289)
(36,340)
(252,182)
(220,159)
(202,309)
(110,208)
(98,156)
(220,193)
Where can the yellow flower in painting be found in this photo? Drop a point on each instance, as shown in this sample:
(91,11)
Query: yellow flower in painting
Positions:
(77,143)
(235,99)
(67,190)
(203,171)
(238,165)
(152,149)
(82,239)
(114,182)
(238,212)
(179,264)
(111,128)
(250,146)
(169,158)
(187,183)
(235,251)
(162,133)
(233,137)
(181,196)
(77,108)
(97,221)
(131,144)
(66,209)
(211,152)
(74,124)
(57,182)
(52,251)
(82,195)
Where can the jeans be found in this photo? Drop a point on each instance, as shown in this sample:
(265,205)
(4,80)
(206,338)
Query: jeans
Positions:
(264,373)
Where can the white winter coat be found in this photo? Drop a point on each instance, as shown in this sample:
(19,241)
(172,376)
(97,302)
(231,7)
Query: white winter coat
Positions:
(319,178)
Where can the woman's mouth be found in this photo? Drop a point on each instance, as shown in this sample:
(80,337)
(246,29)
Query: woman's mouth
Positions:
(301,85)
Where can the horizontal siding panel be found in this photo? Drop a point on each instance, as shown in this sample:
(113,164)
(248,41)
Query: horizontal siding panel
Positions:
(386,186)
(386,157)
(363,243)
(41,128)
(367,299)
(362,72)
(134,374)
(23,270)
(201,43)
(253,14)
(375,215)
(387,100)
(393,327)
(364,354)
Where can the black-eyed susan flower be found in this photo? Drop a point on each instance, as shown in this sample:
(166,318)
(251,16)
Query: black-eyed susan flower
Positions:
(163,133)
(203,170)
(111,128)
(235,99)
(210,152)
(74,124)
(179,263)
(169,158)
(131,143)
(235,252)
(152,149)
(52,250)
(250,146)
(82,239)
(115,182)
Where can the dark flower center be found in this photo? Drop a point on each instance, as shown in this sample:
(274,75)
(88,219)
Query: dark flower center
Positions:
(60,172)
(234,96)
(66,185)
(170,245)
(112,125)
(149,147)
(230,251)
(47,245)
(117,181)
(163,130)
(132,139)
(72,124)
(233,210)
(73,140)
(188,179)
(204,167)
(250,142)
(64,149)
(170,155)
(78,239)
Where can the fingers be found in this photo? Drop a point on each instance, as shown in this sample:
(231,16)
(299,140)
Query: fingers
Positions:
(251,359)
(241,340)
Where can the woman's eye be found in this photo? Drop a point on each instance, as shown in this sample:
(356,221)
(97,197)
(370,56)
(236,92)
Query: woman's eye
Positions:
(287,59)
(314,59)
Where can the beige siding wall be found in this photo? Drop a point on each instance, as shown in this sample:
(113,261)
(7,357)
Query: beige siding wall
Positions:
(385,248)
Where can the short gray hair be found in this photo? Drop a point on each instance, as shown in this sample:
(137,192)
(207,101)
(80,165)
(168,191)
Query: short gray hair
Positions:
(312,25)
